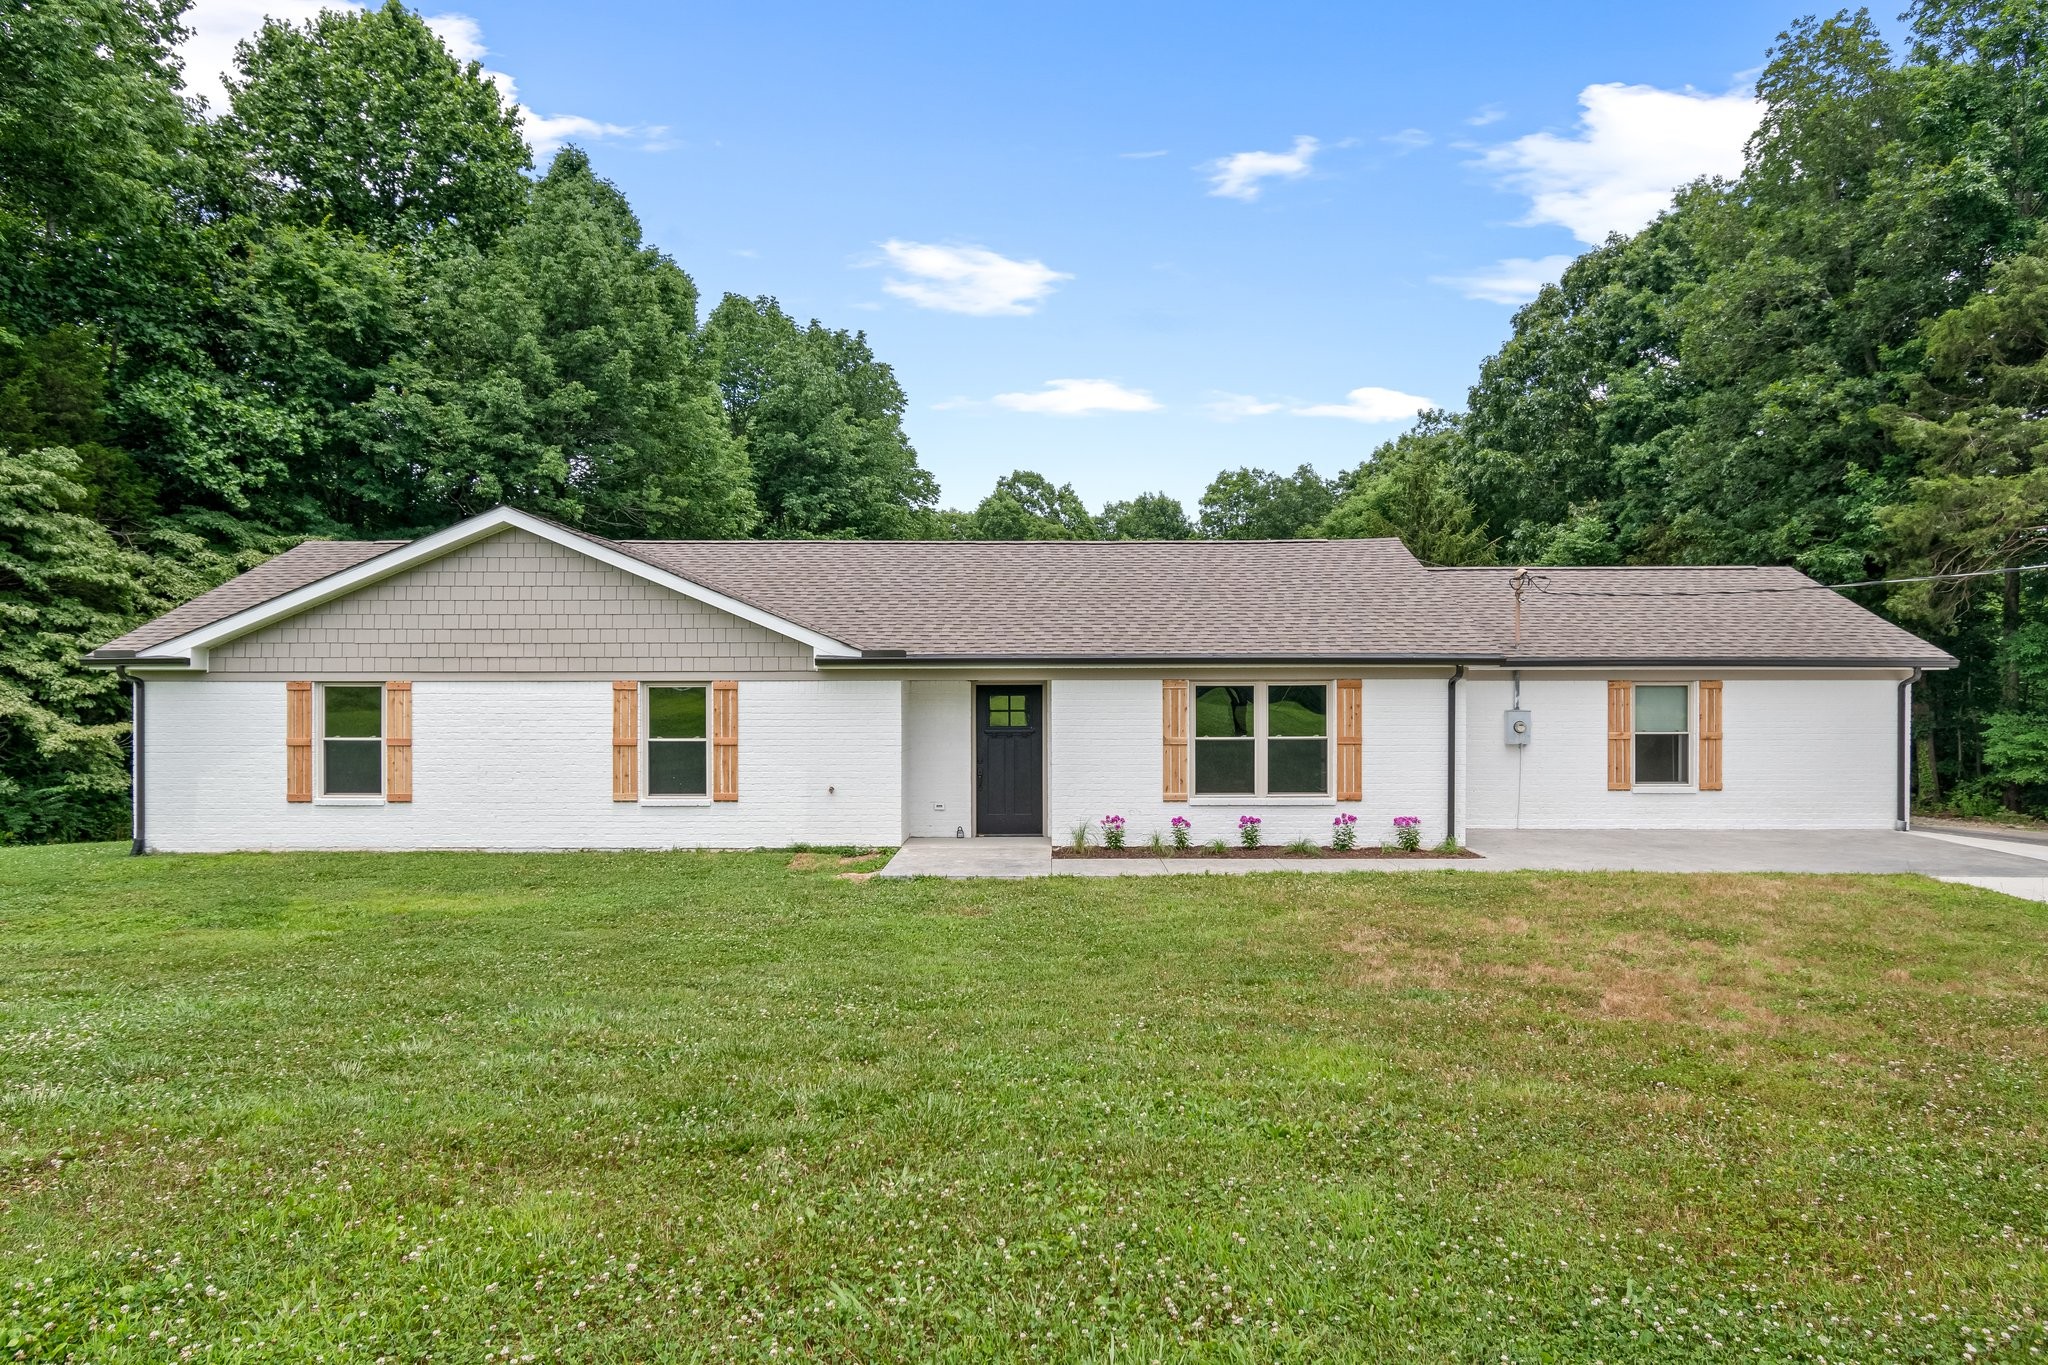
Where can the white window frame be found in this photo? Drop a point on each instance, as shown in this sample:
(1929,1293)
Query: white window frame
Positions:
(1259,738)
(1692,738)
(648,741)
(320,794)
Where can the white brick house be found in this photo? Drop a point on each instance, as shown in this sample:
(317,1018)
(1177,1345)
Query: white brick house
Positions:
(511,684)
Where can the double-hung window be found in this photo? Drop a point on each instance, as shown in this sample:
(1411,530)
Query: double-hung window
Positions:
(351,739)
(1262,739)
(678,742)
(1663,739)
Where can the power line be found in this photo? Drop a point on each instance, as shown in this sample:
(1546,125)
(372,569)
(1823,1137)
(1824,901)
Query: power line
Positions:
(1541,583)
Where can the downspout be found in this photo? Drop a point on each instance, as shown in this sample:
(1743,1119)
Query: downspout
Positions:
(1451,756)
(140,843)
(1905,819)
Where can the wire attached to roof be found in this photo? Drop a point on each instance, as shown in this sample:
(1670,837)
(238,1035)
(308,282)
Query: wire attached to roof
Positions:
(1541,582)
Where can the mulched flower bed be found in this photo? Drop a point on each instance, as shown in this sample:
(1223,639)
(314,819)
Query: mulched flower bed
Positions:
(1068,851)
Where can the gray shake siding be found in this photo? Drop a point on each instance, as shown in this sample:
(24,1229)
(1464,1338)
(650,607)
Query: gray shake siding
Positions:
(514,605)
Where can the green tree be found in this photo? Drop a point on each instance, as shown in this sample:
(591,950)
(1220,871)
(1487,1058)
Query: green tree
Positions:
(1977,497)
(361,121)
(1254,504)
(53,393)
(1407,490)
(559,372)
(822,422)
(92,129)
(1149,516)
(1026,506)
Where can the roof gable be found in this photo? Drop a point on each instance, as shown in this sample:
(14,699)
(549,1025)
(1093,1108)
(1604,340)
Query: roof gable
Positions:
(327,570)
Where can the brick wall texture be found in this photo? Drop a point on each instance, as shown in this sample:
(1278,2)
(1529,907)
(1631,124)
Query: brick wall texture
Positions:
(513,604)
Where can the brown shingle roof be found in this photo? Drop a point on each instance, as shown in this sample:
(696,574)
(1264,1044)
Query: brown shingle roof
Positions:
(1070,600)
(1159,600)
(1652,615)
(295,568)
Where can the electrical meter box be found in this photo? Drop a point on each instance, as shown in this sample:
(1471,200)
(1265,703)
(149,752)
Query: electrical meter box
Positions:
(1516,726)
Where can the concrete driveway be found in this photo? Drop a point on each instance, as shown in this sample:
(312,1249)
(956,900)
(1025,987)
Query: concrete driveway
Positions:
(2012,867)
(1757,850)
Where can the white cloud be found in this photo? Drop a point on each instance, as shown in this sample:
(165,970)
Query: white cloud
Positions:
(967,279)
(1408,139)
(1514,280)
(1232,407)
(216,26)
(1634,145)
(1079,397)
(1237,176)
(1140,156)
(1370,405)
(1485,114)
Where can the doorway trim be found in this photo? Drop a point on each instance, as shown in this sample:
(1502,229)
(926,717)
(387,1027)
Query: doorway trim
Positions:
(974,703)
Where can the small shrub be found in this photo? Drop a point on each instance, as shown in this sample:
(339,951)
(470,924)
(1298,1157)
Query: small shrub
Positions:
(1083,835)
(1248,830)
(1304,847)
(1157,845)
(1408,832)
(1183,831)
(1112,831)
(1217,845)
(1344,832)
(1449,845)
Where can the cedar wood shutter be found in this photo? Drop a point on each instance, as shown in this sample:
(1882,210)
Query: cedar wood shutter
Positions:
(1350,739)
(1173,739)
(398,741)
(725,741)
(625,741)
(1619,731)
(298,741)
(1710,736)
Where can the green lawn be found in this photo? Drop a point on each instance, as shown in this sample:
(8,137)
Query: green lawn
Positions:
(596,1107)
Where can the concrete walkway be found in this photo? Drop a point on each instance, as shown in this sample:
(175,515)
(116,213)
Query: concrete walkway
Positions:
(971,858)
(2011,867)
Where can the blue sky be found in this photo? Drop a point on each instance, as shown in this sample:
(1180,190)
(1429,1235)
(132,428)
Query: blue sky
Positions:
(1128,246)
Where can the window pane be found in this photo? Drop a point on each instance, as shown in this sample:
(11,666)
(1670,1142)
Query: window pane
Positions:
(353,767)
(1660,758)
(675,767)
(1661,709)
(1295,710)
(1223,712)
(1223,766)
(354,712)
(1296,766)
(1005,709)
(675,713)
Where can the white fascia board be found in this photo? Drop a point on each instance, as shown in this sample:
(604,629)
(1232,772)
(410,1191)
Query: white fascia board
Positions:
(194,643)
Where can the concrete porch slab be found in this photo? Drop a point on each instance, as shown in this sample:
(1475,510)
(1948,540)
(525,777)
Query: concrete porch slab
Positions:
(971,858)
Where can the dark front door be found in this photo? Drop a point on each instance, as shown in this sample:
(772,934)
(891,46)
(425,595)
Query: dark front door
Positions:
(1009,760)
